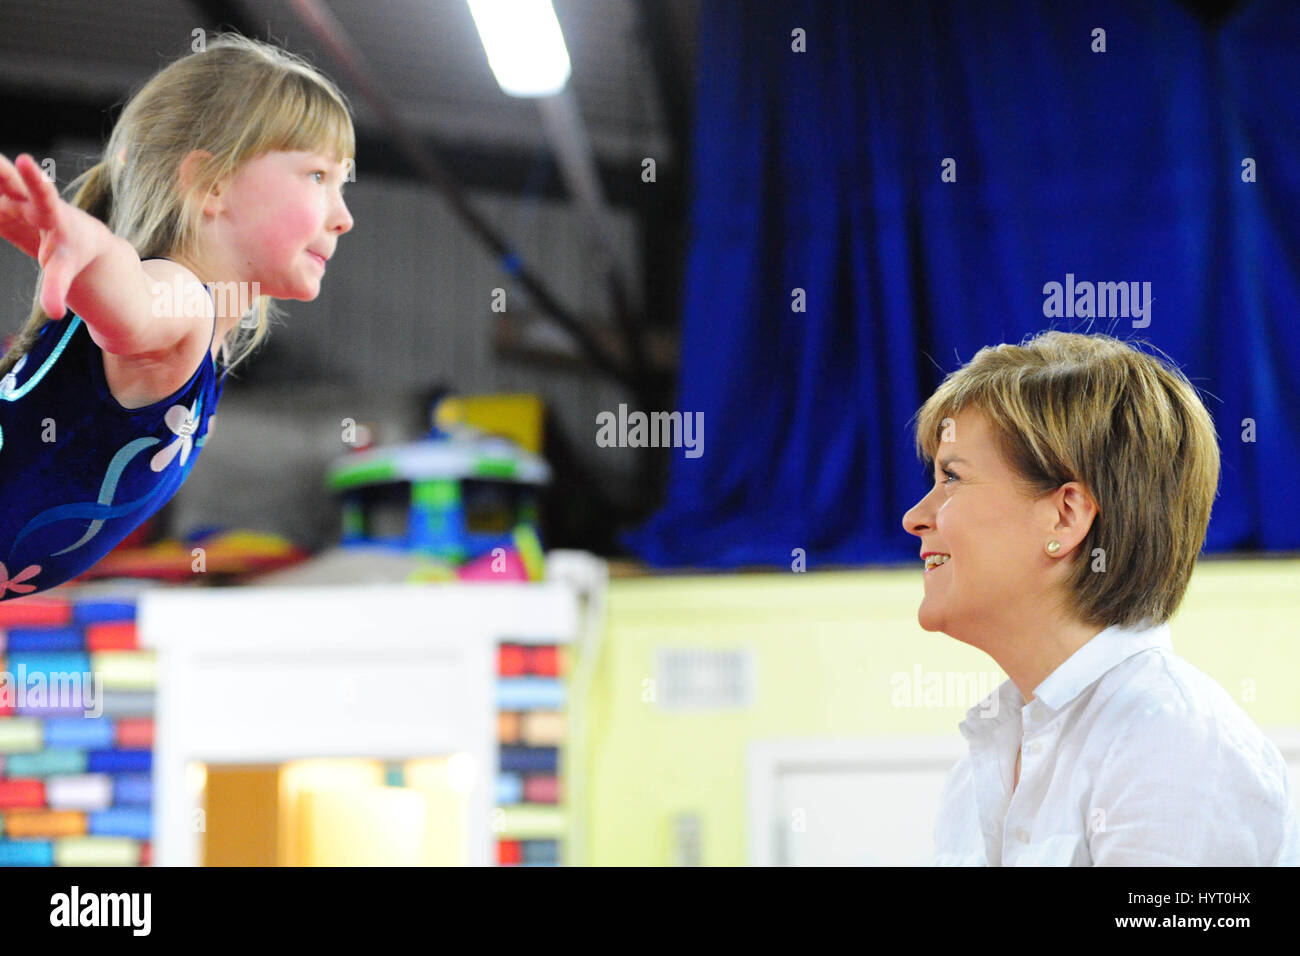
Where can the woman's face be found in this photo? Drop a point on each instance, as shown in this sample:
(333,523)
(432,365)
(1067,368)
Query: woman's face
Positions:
(995,537)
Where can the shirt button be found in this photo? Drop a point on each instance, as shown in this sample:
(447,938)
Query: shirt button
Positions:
(1022,834)
(1034,747)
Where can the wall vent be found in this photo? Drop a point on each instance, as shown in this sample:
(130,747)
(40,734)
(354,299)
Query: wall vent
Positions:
(705,679)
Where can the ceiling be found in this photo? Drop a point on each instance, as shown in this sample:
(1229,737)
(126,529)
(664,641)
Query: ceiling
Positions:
(82,56)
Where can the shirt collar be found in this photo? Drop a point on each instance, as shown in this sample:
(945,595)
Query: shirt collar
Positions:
(1088,663)
(1103,651)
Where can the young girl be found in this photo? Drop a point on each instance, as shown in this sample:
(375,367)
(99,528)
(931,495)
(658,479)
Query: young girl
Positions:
(220,190)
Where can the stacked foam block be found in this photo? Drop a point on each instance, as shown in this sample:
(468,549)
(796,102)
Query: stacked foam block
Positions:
(529,819)
(76,734)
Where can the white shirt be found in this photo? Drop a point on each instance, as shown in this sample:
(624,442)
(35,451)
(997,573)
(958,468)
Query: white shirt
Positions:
(1130,756)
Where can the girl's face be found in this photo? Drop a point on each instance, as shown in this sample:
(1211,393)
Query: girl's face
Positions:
(281,218)
(994,536)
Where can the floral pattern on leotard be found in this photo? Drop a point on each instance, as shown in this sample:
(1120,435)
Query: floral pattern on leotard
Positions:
(183,422)
(13,584)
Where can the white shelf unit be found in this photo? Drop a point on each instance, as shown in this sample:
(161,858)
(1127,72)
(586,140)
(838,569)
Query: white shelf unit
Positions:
(387,671)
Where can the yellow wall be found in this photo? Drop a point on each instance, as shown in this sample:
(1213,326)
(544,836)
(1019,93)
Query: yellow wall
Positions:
(826,646)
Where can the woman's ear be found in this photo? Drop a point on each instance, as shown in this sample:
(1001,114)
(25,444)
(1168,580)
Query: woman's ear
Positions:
(1076,509)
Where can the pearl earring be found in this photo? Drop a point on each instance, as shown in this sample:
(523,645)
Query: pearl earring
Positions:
(1053,546)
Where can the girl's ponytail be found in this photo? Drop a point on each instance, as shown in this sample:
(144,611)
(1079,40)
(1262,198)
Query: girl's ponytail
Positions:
(92,191)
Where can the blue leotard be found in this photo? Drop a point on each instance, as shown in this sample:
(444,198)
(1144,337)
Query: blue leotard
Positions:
(78,472)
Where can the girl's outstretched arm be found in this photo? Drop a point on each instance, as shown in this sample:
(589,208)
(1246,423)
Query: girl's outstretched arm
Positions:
(86,268)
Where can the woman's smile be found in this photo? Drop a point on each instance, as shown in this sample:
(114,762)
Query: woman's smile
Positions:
(936,561)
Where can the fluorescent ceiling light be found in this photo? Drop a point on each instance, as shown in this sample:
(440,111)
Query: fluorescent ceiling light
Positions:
(524,45)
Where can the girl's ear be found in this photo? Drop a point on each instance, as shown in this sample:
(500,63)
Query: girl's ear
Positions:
(189,172)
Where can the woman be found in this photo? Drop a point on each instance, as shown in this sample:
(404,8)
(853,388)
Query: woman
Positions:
(1074,477)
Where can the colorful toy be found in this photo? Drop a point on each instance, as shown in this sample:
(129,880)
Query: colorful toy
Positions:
(523,561)
(451,499)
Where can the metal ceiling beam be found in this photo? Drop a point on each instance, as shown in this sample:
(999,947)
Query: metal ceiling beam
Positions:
(670,72)
(663,210)
(562,121)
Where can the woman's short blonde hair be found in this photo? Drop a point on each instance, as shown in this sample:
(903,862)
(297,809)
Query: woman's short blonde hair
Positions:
(1127,426)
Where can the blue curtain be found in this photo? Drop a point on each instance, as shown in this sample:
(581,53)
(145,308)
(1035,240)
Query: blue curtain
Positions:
(821,171)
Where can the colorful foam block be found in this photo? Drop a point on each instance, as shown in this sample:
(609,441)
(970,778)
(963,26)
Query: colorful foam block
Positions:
(47,762)
(23,639)
(88,791)
(541,852)
(530,693)
(97,851)
(21,793)
(44,710)
(134,733)
(88,612)
(122,821)
(541,788)
(529,759)
(132,789)
(509,852)
(44,823)
(512,660)
(37,611)
(527,821)
(542,728)
(510,788)
(118,761)
(120,704)
(126,670)
(80,732)
(48,663)
(20,735)
(508,724)
(79,794)
(112,636)
(26,853)
(48,694)
(544,660)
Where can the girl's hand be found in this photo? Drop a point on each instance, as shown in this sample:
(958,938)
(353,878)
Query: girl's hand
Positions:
(65,240)
(14,224)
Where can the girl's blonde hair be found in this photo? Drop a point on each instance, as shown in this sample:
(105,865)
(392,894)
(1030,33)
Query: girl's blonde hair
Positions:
(236,100)
(1130,428)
